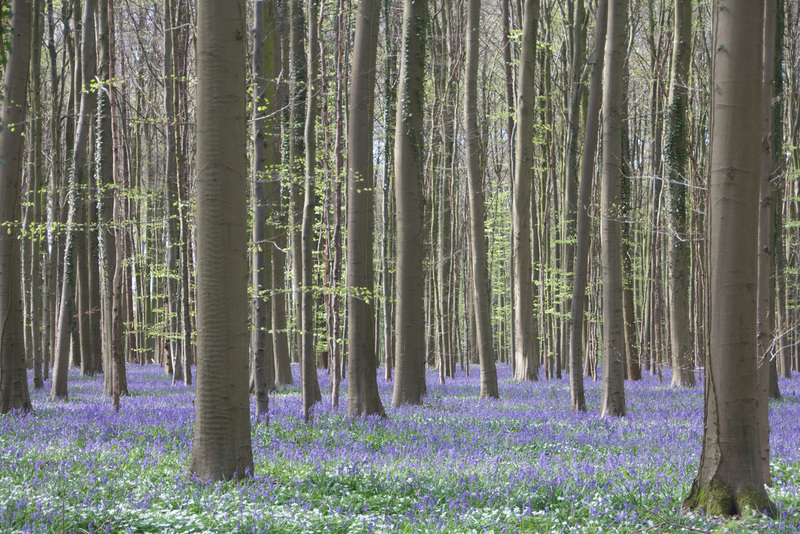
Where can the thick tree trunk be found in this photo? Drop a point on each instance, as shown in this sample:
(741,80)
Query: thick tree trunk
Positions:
(731,475)
(526,332)
(582,231)
(613,398)
(221,446)
(409,385)
(362,392)
(14,393)
(480,272)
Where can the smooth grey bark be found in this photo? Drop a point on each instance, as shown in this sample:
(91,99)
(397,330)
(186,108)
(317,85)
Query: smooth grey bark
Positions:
(311,391)
(362,390)
(612,401)
(261,346)
(14,394)
(221,447)
(571,167)
(765,310)
(297,111)
(283,367)
(409,385)
(583,224)
(74,245)
(676,158)
(480,271)
(526,331)
(731,474)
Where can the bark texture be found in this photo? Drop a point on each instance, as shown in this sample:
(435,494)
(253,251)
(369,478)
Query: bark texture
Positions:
(221,446)
(362,361)
(409,385)
(14,394)
(731,474)
(526,331)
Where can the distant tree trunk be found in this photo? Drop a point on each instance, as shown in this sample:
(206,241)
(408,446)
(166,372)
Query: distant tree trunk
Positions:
(676,158)
(39,200)
(283,367)
(14,393)
(261,348)
(173,196)
(311,392)
(362,392)
(409,385)
(297,110)
(613,397)
(480,271)
(221,446)
(526,357)
(582,231)
(731,475)
(571,168)
(75,243)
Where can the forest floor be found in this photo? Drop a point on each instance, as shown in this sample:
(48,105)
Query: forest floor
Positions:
(524,463)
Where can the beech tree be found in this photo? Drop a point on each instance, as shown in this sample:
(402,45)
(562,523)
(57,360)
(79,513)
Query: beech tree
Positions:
(480,280)
(14,393)
(731,475)
(526,332)
(582,230)
(409,385)
(362,393)
(613,398)
(676,159)
(221,446)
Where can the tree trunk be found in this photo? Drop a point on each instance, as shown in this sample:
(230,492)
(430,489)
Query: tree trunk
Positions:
(409,385)
(311,392)
(480,274)
(582,231)
(526,359)
(613,397)
(765,310)
(261,346)
(731,475)
(74,243)
(676,158)
(14,393)
(297,112)
(362,392)
(221,446)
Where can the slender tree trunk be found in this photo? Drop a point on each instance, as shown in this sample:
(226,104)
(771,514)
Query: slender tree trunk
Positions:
(74,242)
(480,272)
(262,364)
(311,392)
(613,397)
(297,111)
(362,392)
(409,385)
(221,446)
(765,314)
(731,474)
(14,393)
(526,359)
(676,157)
(582,231)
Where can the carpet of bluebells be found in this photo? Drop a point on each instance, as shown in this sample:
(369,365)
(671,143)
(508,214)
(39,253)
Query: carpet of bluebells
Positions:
(524,463)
